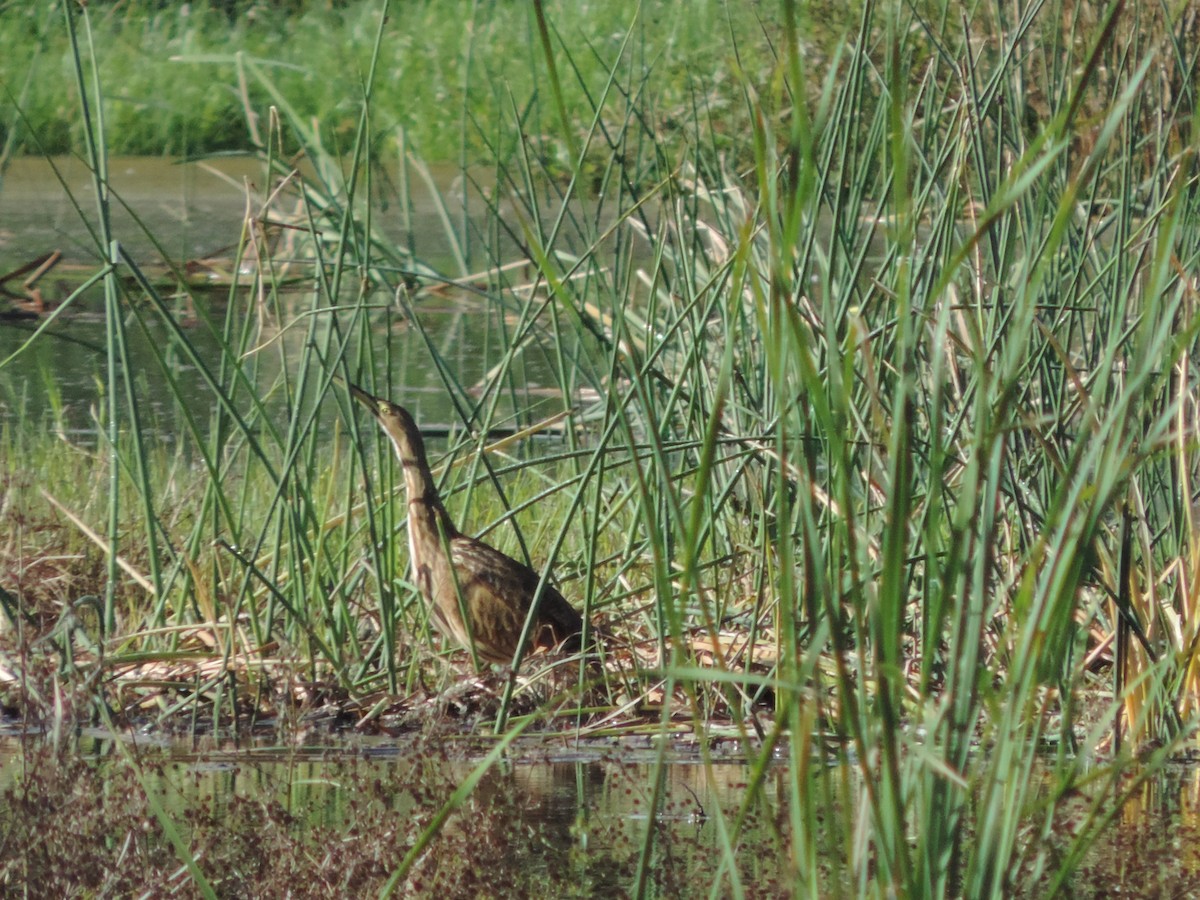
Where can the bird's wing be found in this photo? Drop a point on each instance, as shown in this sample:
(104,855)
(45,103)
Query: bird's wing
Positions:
(513,579)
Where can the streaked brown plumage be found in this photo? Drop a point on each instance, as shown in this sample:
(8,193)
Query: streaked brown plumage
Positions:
(494,590)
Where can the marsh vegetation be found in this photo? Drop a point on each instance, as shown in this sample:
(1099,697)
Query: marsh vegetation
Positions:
(868,358)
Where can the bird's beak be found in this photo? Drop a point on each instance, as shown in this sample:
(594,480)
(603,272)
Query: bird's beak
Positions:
(370,402)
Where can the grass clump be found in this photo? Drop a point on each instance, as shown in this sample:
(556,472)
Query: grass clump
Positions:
(179,76)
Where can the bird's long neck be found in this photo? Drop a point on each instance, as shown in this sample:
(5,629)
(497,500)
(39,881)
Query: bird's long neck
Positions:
(423,499)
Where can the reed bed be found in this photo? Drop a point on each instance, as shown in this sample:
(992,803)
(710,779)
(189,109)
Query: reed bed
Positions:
(879,437)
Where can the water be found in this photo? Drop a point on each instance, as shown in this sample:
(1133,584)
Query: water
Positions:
(194,211)
(336,818)
(338,821)
(188,210)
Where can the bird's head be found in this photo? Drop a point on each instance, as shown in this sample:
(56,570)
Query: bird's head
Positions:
(392,417)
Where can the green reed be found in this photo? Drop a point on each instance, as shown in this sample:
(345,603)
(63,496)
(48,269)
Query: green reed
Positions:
(897,411)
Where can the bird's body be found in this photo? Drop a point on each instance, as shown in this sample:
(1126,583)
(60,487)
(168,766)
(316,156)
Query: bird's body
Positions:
(477,595)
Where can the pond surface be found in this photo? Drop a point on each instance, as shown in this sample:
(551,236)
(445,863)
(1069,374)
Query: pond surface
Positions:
(553,820)
(339,821)
(183,210)
(191,211)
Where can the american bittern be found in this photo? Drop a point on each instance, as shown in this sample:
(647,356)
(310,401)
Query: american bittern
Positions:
(476,594)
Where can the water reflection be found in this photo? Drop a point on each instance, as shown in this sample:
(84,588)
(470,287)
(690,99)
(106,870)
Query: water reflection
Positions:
(188,211)
(551,821)
(1152,849)
(185,209)
(344,820)
(57,383)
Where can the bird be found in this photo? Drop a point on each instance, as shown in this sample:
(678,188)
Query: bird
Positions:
(478,596)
